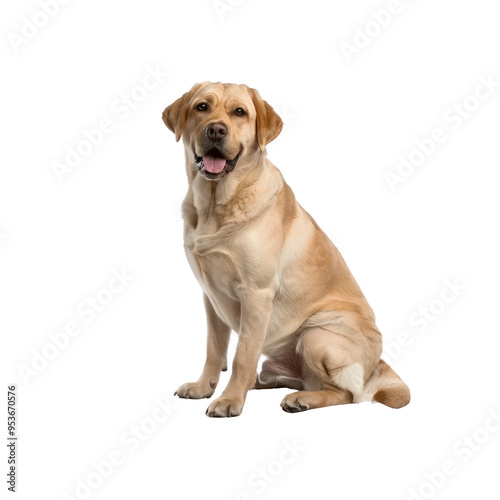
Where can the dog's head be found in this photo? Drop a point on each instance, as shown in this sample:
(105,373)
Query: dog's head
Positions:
(223,126)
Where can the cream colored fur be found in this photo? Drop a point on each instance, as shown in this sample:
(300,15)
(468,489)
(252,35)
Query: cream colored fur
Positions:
(269,273)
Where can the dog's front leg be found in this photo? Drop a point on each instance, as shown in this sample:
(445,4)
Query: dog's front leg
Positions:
(256,310)
(217,341)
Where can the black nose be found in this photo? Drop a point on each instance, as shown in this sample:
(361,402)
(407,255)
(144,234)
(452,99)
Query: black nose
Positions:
(216,131)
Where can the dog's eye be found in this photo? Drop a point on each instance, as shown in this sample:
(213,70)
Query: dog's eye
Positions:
(202,106)
(239,111)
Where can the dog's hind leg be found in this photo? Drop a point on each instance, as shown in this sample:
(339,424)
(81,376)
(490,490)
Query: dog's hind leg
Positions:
(334,358)
(269,378)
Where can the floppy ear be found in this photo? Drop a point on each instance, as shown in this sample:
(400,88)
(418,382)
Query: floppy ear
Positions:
(174,115)
(269,124)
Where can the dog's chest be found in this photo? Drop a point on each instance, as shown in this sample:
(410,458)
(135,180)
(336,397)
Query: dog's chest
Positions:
(214,266)
(211,243)
(218,241)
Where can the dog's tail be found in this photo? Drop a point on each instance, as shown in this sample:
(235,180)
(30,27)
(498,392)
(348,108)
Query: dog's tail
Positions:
(386,387)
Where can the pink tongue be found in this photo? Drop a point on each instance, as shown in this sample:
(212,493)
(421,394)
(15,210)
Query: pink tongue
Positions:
(214,165)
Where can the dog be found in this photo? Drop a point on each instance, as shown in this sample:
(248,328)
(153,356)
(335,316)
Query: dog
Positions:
(267,271)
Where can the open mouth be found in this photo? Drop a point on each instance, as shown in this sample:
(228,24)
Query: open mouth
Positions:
(214,165)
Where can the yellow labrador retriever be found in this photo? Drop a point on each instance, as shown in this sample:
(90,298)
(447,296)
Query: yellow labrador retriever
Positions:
(267,270)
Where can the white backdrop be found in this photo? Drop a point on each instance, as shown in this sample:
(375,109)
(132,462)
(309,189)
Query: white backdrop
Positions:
(391,143)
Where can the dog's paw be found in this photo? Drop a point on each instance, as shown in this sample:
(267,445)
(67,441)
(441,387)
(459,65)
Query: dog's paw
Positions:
(293,404)
(194,390)
(225,407)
